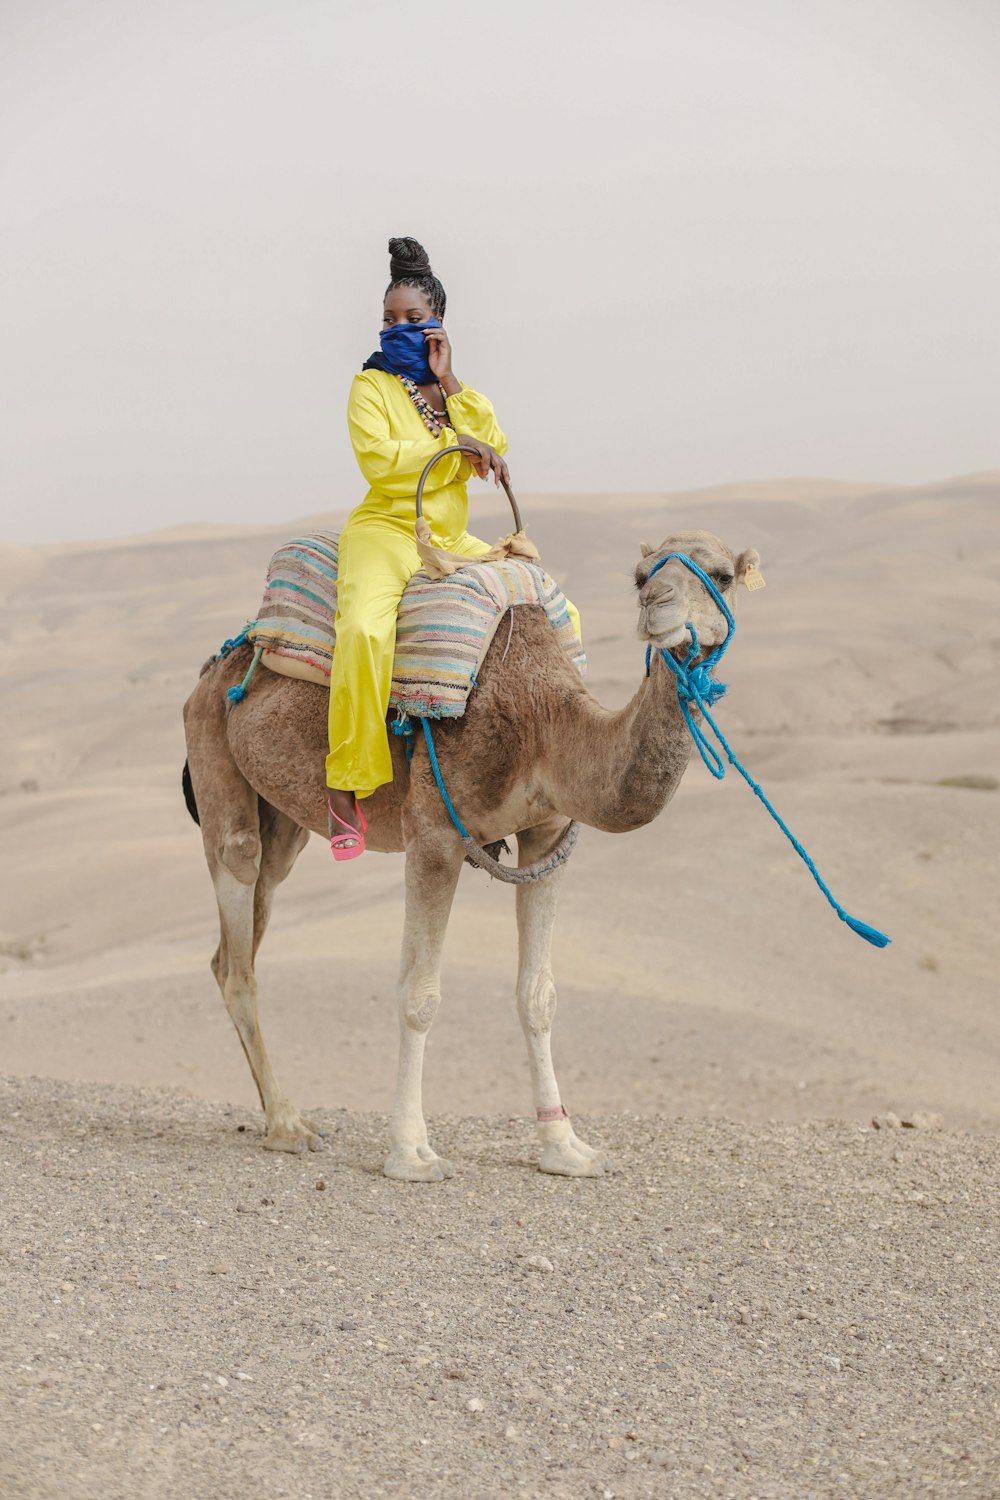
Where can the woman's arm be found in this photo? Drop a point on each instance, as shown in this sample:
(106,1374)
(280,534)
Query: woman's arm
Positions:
(472,413)
(389,464)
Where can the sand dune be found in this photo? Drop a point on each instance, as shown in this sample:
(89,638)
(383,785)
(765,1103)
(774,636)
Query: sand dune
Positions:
(864,676)
(705,988)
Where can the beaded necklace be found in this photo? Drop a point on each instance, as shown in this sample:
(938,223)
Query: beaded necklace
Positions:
(435,422)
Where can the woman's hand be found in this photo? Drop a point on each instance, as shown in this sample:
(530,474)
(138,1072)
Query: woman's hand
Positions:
(438,352)
(483,458)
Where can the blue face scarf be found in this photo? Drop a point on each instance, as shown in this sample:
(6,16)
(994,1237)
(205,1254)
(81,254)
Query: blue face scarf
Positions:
(404,352)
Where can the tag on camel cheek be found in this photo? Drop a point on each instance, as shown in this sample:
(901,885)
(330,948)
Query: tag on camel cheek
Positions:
(753,578)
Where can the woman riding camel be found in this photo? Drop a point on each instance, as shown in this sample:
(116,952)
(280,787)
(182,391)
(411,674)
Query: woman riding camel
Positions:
(405,406)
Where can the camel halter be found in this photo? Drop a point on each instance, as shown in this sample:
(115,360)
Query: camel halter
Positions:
(697,689)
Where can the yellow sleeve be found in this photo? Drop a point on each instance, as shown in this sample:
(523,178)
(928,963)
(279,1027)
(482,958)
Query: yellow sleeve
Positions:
(392,465)
(472,413)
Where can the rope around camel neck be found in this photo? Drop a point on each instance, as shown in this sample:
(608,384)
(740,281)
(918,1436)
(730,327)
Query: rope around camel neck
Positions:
(697,689)
(510,875)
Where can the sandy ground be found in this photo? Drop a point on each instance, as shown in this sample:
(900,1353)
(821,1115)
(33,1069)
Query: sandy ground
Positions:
(719,1030)
(793,1310)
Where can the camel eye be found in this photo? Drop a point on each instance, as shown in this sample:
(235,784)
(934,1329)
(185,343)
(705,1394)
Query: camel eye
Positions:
(721,580)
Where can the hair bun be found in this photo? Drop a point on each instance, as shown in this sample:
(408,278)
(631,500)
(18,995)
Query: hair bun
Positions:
(408,259)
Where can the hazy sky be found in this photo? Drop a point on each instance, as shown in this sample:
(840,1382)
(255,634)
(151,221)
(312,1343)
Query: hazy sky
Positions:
(683,243)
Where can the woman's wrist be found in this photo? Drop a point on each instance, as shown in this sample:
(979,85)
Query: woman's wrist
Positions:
(450,385)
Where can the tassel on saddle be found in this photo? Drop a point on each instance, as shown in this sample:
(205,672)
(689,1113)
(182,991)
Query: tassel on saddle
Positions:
(440,563)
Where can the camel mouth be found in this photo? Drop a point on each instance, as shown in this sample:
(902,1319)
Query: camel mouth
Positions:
(676,640)
(664,627)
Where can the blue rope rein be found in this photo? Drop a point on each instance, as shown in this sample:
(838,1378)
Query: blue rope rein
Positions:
(697,690)
(432,753)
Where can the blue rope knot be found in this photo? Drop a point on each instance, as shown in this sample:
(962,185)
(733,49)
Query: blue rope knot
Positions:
(402,725)
(237,640)
(696,683)
(697,689)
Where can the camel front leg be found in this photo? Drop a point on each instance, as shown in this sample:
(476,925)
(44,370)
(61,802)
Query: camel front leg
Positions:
(431,876)
(563,1153)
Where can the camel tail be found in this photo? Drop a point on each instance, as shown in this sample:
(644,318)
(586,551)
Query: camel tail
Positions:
(189,797)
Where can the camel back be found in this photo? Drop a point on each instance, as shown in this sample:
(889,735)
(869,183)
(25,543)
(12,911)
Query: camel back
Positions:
(445,626)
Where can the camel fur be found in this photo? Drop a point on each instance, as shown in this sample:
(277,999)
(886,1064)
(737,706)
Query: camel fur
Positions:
(534,751)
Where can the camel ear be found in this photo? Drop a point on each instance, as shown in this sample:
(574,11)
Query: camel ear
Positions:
(646,549)
(748,569)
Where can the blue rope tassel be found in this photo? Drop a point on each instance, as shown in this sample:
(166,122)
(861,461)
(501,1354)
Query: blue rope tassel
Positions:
(697,689)
(238,693)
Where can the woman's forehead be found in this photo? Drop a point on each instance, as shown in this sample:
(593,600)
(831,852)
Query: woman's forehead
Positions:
(405,299)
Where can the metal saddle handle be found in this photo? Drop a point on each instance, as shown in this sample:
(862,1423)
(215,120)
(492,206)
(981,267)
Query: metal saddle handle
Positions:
(457,448)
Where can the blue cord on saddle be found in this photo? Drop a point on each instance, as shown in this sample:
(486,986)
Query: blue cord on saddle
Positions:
(238,693)
(237,640)
(696,688)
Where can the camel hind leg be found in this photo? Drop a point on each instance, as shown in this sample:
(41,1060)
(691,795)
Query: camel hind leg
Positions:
(251,864)
(250,848)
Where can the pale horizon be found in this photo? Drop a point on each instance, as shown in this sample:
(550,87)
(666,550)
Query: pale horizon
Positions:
(778,487)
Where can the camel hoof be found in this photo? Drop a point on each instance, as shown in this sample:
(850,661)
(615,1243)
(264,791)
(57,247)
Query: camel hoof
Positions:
(572,1159)
(295,1135)
(417,1166)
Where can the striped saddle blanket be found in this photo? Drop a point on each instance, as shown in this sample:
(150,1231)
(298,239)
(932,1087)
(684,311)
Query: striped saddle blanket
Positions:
(443,633)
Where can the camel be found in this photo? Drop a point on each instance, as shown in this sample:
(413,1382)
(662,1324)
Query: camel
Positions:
(533,751)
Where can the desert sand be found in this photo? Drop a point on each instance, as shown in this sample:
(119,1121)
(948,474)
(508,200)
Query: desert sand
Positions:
(769,1297)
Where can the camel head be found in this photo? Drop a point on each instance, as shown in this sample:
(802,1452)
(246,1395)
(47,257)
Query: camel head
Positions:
(674,596)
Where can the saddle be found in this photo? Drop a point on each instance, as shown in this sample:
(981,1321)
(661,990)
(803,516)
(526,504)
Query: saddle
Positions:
(444,630)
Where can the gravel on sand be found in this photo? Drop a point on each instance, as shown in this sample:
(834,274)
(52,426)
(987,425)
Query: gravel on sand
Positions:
(783,1310)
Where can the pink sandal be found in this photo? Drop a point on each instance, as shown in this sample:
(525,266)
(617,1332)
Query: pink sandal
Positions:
(350,843)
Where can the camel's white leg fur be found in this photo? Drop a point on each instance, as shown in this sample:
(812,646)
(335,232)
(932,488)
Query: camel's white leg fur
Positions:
(563,1153)
(431,876)
(244,872)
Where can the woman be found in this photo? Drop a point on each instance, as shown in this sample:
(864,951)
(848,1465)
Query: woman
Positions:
(405,406)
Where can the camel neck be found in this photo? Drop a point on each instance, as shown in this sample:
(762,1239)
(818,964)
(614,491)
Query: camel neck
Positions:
(619,769)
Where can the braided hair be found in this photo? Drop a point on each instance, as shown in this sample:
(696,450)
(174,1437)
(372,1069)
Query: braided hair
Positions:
(409,265)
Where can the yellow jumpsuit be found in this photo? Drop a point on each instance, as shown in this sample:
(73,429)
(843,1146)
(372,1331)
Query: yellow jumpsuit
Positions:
(378,557)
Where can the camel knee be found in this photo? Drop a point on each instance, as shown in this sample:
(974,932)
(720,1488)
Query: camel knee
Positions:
(536,1002)
(239,991)
(419,1006)
(241,855)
